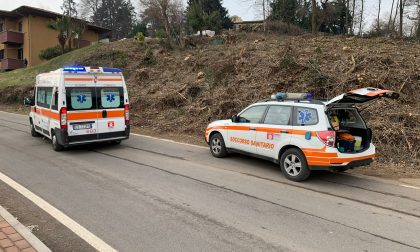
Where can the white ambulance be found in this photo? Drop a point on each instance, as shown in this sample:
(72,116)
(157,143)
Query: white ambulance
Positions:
(300,133)
(78,105)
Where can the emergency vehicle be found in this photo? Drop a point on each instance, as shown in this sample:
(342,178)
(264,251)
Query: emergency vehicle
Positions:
(78,105)
(296,131)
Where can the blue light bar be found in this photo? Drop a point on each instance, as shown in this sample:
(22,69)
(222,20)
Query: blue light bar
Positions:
(292,96)
(75,69)
(111,70)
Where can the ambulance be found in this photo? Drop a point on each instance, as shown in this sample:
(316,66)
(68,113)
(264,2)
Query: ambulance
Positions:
(300,133)
(79,105)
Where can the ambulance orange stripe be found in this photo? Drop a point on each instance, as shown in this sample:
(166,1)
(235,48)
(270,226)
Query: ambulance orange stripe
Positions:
(51,114)
(94,115)
(46,112)
(82,116)
(113,113)
(78,79)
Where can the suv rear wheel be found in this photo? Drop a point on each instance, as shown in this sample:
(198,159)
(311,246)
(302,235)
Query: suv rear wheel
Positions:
(217,146)
(294,166)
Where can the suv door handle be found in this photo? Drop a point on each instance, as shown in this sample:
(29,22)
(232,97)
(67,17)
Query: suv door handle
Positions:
(252,128)
(284,131)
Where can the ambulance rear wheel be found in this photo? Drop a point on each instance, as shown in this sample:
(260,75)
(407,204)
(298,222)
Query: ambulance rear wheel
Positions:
(33,132)
(55,144)
(217,146)
(294,166)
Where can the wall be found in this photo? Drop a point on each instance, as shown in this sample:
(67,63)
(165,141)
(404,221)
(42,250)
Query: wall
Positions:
(40,37)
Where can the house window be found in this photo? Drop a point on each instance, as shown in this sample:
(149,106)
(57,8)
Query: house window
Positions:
(20,26)
(1,27)
(1,54)
(20,53)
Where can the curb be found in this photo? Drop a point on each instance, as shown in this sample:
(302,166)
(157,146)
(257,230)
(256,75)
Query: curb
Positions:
(23,231)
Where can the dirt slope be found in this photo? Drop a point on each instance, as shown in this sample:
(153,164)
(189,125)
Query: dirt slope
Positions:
(181,91)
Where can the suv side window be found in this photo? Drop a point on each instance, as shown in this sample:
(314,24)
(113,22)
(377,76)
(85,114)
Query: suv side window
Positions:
(278,115)
(252,115)
(306,116)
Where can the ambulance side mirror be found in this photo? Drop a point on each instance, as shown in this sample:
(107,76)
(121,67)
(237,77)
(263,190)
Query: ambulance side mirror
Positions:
(235,118)
(28,101)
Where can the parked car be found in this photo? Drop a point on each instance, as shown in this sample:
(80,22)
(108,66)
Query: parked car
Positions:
(300,133)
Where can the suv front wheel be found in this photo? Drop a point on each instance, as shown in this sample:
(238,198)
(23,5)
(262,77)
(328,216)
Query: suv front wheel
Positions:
(294,166)
(217,146)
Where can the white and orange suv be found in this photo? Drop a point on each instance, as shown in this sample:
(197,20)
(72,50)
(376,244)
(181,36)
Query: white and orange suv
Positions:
(296,131)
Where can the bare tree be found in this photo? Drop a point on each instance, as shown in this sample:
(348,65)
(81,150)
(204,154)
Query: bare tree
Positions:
(379,15)
(390,15)
(361,17)
(87,8)
(163,9)
(352,14)
(347,16)
(314,17)
(401,17)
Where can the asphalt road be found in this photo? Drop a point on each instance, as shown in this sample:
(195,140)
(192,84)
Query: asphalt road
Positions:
(152,195)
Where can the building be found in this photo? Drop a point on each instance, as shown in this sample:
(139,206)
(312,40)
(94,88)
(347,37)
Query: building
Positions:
(24,34)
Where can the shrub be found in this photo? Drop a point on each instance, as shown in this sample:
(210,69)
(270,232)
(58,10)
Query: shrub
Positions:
(139,37)
(52,52)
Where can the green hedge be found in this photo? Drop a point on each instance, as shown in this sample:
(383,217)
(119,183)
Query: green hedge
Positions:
(52,52)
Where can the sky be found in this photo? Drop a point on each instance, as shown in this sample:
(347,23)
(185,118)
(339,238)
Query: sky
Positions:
(246,9)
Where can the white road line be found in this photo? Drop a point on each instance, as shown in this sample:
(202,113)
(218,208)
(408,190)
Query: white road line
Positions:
(410,186)
(79,230)
(168,140)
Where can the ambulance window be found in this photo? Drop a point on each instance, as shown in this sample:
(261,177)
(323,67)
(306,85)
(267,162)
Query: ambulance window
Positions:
(40,97)
(278,115)
(306,116)
(48,97)
(55,101)
(81,98)
(252,115)
(110,98)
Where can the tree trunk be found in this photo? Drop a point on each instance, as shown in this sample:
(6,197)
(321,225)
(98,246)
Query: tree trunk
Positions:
(379,16)
(390,15)
(396,13)
(401,17)
(352,14)
(346,26)
(361,18)
(314,17)
(264,23)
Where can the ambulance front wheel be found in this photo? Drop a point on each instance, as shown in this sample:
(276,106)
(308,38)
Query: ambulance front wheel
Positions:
(55,144)
(33,132)
(217,146)
(294,166)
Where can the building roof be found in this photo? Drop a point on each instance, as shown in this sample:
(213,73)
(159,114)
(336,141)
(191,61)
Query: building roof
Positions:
(28,10)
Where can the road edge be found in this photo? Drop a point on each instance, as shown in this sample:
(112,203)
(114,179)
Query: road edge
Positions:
(37,244)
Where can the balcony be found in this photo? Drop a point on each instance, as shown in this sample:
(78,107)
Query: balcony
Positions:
(11,64)
(11,37)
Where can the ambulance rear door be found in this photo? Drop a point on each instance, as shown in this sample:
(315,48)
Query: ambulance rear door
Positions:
(110,99)
(82,107)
